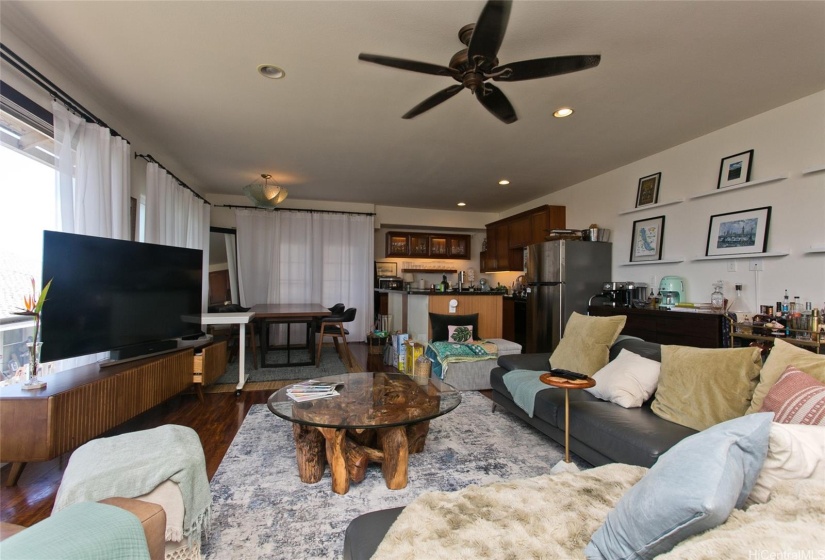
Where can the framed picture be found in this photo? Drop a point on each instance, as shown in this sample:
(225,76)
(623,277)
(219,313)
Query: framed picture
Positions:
(648,192)
(735,169)
(648,236)
(738,233)
(386,269)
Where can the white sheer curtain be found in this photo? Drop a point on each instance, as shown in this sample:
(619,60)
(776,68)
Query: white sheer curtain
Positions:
(92,185)
(175,216)
(307,257)
(92,177)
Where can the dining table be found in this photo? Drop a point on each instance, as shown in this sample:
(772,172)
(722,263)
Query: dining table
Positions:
(268,314)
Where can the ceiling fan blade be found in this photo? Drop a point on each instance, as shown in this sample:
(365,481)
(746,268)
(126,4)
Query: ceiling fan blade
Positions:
(433,100)
(404,64)
(489,30)
(545,67)
(497,103)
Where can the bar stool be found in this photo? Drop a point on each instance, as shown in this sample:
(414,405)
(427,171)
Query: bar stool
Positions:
(334,326)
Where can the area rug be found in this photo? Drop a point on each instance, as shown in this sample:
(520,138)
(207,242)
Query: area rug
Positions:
(331,364)
(262,510)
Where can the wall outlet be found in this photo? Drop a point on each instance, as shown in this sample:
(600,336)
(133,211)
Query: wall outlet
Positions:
(731,266)
(755,265)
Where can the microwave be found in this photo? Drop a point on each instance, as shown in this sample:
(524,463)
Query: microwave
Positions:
(390,283)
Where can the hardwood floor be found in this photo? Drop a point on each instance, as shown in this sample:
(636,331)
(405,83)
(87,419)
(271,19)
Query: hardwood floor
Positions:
(216,420)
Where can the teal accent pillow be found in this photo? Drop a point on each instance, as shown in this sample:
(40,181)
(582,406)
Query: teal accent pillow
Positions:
(693,487)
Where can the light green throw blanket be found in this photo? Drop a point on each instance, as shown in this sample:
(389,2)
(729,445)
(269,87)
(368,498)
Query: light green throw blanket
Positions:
(524,385)
(134,464)
(85,531)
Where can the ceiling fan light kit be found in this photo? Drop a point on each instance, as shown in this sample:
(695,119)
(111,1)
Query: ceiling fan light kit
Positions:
(476,64)
(265,194)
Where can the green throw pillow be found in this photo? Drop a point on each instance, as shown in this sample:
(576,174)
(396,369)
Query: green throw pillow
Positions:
(701,387)
(782,355)
(585,346)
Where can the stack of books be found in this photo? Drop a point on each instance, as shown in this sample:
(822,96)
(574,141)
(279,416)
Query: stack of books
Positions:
(311,390)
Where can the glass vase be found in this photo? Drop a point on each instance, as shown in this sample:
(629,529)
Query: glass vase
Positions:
(33,367)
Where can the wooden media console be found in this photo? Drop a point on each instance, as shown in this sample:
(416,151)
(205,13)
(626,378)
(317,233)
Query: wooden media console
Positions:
(80,404)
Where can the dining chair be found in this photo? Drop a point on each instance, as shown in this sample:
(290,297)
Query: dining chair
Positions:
(333,326)
(336,309)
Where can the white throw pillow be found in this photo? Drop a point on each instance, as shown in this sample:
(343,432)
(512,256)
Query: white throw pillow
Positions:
(628,381)
(795,451)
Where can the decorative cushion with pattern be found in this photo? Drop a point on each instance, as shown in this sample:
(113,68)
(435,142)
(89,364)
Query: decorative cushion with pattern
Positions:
(460,333)
(797,398)
(783,355)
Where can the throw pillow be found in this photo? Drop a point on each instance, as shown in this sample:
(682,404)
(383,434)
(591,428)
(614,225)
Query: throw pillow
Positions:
(693,487)
(782,355)
(585,346)
(440,323)
(795,452)
(628,381)
(797,398)
(700,387)
(460,333)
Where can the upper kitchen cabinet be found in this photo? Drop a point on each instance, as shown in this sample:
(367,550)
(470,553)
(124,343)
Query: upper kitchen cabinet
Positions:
(507,238)
(428,245)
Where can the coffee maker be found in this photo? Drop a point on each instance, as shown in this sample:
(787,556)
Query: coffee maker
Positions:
(672,289)
(615,294)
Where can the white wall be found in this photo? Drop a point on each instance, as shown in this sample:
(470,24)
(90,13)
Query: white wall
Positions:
(786,140)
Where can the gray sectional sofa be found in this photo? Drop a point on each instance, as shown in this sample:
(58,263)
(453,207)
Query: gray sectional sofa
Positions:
(600,432)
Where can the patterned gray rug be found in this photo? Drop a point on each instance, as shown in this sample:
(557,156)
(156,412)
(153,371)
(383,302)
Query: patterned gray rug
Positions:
(262,510)
(331,364)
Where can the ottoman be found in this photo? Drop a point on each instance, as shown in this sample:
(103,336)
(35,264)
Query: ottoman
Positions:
(475,376)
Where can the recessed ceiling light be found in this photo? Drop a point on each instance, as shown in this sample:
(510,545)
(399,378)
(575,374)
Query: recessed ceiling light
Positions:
(462,204)
(504,182)
(563,112)
(270,71)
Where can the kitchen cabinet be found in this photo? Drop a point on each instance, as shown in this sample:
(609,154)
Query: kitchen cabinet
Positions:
(507,238)
(702,330)
(427,245)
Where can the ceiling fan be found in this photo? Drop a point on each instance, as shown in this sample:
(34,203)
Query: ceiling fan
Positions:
(476,64)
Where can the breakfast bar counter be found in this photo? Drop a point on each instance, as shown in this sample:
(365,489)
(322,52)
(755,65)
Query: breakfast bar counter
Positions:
(411,310)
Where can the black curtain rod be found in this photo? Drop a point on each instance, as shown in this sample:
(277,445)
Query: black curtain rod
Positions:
(295,210)
(148,157)
(51,88)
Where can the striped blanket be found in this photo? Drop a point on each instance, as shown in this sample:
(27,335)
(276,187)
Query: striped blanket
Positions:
(444,353)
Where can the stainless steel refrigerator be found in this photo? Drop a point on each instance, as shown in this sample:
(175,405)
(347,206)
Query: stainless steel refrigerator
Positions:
(561,277)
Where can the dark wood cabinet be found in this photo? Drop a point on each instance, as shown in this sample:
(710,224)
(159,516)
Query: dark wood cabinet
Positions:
(507,238)
(703,330)
(428,245)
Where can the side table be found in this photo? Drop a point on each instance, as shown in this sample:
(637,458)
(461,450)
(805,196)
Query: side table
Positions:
(566,384)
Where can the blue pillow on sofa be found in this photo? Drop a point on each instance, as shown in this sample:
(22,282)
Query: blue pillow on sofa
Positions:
(693,487)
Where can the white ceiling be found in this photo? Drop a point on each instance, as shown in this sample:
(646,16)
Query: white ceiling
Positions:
(183,76)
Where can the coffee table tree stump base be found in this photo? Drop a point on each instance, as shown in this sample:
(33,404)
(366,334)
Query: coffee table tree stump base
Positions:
(376,418)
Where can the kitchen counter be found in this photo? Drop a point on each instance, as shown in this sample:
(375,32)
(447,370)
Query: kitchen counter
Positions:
(410,310)
(450,293)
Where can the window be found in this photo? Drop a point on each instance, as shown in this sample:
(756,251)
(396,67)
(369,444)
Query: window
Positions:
(27,207)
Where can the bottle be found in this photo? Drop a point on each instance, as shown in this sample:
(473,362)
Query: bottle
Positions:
(717,298)
(785,303)
(444,284)
(739,309)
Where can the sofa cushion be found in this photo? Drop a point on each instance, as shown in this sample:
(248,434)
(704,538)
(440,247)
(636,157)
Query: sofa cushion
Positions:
(585,346)
(700,387)
(441,322)
(692,488)
(795,452)
(634,436)
(536,362)
(645,349)
(797,398)
(627,381)
(782,355)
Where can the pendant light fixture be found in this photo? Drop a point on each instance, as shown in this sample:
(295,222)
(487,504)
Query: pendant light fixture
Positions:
(265,195)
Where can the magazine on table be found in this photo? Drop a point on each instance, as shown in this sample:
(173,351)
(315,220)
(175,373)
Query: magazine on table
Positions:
(311,390)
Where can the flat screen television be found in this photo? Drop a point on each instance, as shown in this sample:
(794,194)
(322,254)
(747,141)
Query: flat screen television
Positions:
(126,297)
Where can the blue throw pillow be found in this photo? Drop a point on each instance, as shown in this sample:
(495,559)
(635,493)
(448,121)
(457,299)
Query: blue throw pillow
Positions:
(693,487)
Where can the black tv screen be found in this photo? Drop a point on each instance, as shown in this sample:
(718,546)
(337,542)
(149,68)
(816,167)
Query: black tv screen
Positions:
(108,294)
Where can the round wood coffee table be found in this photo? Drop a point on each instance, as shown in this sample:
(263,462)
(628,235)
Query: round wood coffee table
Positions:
(377,417)
(566,384)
